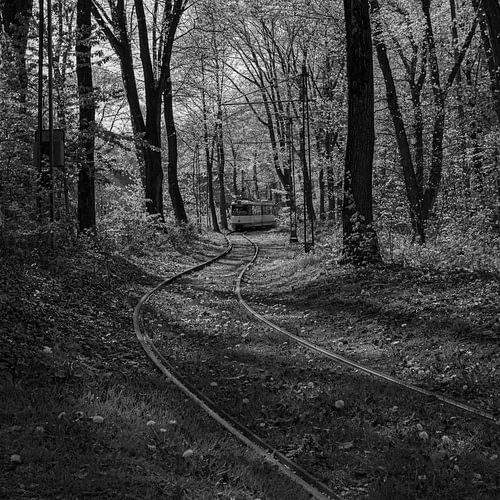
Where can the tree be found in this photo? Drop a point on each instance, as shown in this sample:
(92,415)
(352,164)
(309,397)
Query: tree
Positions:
(326,123)
(411,178)
(489,17)
(172,16)
(208,152)
(155,62)
(15,17)
(16,177)
(86,170)
(360,242)
(421,194)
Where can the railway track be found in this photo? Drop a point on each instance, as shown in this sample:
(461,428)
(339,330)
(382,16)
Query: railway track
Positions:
(313,486)
(188,365)
(477,412)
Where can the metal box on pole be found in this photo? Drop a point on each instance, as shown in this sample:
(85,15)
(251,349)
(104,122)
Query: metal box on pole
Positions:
(58,150)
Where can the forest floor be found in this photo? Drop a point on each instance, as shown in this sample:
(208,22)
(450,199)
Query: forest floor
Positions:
(83,415)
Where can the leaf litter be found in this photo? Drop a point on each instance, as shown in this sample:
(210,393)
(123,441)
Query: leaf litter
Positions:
(287,395)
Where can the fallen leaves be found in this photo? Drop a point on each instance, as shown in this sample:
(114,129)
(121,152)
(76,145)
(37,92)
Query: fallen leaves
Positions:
(346,446)
(446,440)
(423,436)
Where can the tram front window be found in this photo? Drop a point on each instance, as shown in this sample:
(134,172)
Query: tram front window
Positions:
(241,210)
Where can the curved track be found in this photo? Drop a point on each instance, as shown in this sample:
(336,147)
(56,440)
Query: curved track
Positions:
(312,485)
(347,362)
(236,261)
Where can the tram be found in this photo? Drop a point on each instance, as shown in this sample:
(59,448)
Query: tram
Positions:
(249,214)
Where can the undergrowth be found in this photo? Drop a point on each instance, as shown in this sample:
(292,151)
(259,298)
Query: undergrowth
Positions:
(469,244)
(82,413)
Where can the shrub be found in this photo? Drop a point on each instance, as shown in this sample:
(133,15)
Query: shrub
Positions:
(453,243)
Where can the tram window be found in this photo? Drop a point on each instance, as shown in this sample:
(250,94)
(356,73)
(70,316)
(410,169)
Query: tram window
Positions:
(241,210)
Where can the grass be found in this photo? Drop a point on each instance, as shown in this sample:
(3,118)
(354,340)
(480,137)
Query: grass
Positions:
(385,443)
(65,454)
(69,355)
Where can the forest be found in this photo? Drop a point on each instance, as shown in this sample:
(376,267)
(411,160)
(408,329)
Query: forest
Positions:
(128,128)
(170,111)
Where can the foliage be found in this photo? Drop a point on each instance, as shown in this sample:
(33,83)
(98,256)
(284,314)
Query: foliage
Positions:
(81,409)
(124,221)
(456,243)
(125,225)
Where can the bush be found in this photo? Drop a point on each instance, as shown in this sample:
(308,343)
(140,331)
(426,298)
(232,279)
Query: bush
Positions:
(125,222)
(453,243)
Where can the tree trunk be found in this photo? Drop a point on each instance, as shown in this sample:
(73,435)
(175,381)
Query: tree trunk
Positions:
(360,242)
(86,170)
(476,161)
(210,188)
(151,141)
(330,139)
(173,183)
(418,126)
(153,171)
(256,193)
(221,160)
(235,173)
(456,55)
(489,19)
(15,17)
(119,40)
(436,167)
(208,155)
(147,133)
(413,190)
(321,195)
